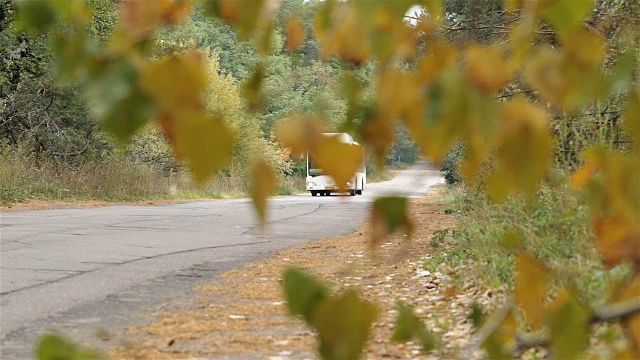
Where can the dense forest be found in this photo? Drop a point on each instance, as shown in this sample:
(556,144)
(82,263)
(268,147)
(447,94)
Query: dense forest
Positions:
(51,142)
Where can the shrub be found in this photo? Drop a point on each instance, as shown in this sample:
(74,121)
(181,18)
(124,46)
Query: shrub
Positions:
(449,166)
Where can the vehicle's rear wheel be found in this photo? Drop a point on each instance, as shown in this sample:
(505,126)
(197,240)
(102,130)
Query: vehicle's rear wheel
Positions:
(314,193)
(359,192)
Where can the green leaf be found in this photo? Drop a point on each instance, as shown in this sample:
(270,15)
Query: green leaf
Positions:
(567,15)
(71,49)
(343,325)
(631,116)
(388,214)
(511,240)
(206,143)
(55,347)
(622,73)
(394,209)
(252,88)
(477,315)
(568,321)
(115,99)
(303,293)
(498,344)
(409,326)
(36,16)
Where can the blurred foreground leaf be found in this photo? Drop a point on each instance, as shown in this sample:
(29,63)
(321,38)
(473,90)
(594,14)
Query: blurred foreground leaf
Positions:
(206,143)
(343,323)
(303,293)
(567,320)
(530,289)
(263,182)
(388,214)
(55,347)
(351,158)
(408,326)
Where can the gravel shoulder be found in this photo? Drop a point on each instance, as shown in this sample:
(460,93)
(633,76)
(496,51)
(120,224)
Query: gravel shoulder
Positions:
(241,314)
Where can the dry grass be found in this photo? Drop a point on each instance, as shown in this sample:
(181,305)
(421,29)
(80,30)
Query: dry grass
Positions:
(26,179)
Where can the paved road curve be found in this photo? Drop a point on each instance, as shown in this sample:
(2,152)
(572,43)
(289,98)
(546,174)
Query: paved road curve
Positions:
(75,269)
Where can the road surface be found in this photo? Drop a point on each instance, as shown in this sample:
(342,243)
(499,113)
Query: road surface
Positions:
(76,270)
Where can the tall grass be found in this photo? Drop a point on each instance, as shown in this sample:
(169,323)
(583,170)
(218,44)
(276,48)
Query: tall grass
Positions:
(24,176)
(555,228)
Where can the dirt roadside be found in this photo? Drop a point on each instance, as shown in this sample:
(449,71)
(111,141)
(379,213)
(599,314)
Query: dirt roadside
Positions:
(80,204)
(241,315)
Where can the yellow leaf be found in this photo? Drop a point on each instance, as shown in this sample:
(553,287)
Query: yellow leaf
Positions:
(340,31)
(263,182)
(339,160)
(626,353)
(442,56)
(567,15)
(530,6)
(295,34)
(561,81)
(531,288)
(521,37)
(252,88)
(618,239)
(300,133)
(568,321)
(379,133)
(498,187)
(498,345)
(177,83)
(264,37)
(581,176)
(585,49)
(243,15)
(525,150)
(175,11)
(631,290)
(631,117)
(140,18)
(487,68)
(435,8)
(205,143)
(168,126)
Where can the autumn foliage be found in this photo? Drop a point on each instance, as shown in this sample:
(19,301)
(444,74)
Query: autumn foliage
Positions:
(498,99)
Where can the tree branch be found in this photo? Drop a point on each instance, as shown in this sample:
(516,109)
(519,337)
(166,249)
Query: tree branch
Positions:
(611,312)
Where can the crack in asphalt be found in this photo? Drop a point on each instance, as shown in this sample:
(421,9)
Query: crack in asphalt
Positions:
(128,262)
(45,270)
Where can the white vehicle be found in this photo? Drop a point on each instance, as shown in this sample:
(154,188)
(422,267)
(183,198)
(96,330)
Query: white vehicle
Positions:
(321,184)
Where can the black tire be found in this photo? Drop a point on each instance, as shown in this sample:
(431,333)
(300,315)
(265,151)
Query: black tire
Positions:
(314,193)
(352,192)
(359,192)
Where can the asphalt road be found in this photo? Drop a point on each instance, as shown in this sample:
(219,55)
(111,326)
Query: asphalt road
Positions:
(75,270)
